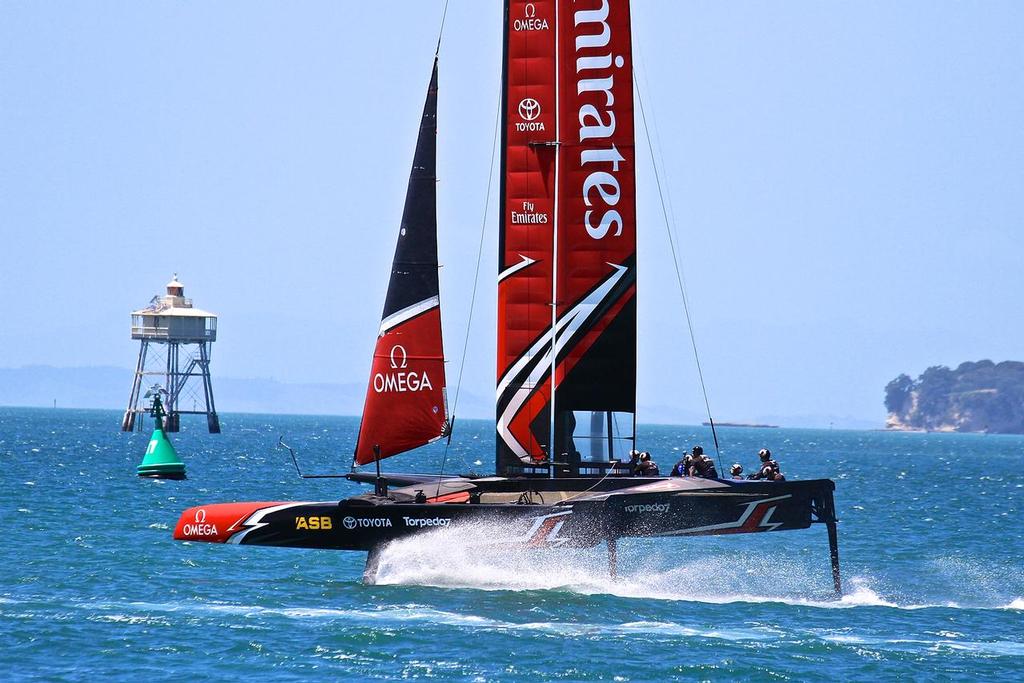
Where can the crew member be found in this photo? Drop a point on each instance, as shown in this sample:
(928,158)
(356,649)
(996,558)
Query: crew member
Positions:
(701,465)
(634,462)
(682,468)
(769,469)
(647,467)
(736,471)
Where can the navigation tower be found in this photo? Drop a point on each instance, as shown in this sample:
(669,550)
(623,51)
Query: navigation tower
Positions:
(176,339)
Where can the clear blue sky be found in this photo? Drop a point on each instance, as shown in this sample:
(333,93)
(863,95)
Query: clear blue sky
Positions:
(846,178)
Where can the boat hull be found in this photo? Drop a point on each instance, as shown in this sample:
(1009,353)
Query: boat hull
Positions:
(656,507)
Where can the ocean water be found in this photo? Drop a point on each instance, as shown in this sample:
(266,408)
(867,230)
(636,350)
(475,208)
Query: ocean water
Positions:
(92,585)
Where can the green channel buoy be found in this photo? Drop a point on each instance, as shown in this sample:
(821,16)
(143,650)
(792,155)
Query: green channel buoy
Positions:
(160,461)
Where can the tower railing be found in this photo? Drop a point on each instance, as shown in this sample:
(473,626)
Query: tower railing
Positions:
(163,332)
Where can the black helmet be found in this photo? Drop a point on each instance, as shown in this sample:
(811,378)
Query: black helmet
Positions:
(764,454)
(698,450)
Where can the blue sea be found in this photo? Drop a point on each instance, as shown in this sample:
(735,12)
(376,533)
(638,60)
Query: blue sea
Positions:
(92,587)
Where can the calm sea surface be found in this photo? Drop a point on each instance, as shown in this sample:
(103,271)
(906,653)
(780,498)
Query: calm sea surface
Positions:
(92,586)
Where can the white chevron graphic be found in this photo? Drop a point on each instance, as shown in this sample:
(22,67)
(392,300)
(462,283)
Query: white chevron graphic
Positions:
(407,313)
(567,329)
(255,520)
(525,263)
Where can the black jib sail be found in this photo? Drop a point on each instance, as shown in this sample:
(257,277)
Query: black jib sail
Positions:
(405,403)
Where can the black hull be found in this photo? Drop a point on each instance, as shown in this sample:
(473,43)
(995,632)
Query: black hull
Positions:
(523,512)
(569,515)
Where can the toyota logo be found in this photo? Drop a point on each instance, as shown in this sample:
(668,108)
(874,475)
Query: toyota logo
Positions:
(529,109)
(349,522)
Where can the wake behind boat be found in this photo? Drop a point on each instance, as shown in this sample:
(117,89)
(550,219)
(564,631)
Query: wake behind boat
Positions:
(566,383)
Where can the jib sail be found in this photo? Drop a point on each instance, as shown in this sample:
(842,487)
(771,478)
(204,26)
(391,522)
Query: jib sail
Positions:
(568,235)
(405,403)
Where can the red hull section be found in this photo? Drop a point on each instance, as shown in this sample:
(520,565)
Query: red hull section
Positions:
(218,522)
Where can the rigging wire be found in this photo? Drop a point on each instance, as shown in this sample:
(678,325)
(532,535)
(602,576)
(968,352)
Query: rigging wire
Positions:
(607,474)
(669,229)
(476,284)
(440,32)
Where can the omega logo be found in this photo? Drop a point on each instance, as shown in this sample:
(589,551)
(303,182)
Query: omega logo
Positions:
(200,528)
(403,380)
(398,349)
(529,20)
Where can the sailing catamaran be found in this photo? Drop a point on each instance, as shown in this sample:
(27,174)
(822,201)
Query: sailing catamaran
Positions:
(566,381)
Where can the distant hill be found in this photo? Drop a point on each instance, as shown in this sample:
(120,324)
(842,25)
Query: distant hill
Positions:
(976,397)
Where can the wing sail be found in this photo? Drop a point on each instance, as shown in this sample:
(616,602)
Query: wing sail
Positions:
(568,228)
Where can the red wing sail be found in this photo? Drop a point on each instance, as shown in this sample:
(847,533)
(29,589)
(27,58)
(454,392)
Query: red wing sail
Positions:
(526,239)
(405,400)
(568,225)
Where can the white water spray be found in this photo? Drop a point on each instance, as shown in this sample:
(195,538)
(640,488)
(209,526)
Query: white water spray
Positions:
(472,557)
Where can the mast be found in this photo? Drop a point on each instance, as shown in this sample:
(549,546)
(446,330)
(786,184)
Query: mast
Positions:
(405,404)
(552,406)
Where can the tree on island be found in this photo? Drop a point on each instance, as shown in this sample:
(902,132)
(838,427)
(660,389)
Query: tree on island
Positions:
(976,397)
(897,394)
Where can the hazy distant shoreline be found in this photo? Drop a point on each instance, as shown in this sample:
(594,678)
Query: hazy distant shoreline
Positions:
(107,387)
(192,423)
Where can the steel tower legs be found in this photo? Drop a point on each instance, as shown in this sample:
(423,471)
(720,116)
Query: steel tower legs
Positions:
(174,380)
(128,421)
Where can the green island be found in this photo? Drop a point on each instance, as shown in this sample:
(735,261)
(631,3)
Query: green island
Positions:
(975,397)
